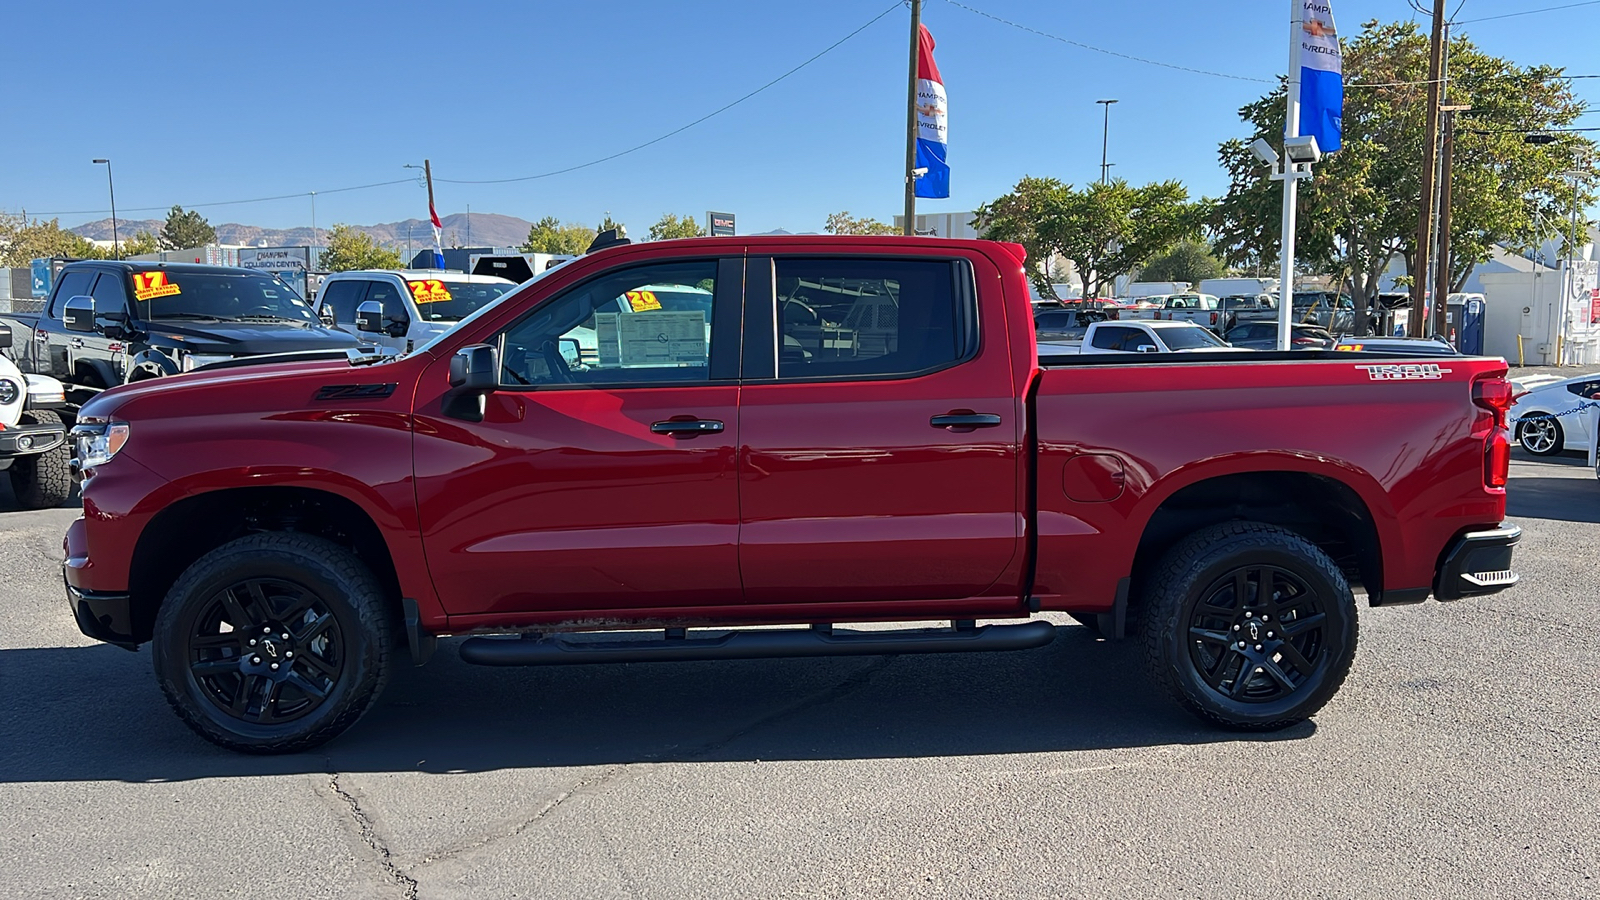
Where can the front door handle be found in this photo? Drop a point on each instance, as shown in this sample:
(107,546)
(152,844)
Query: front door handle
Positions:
(965,419)
(686,427)
(75,343)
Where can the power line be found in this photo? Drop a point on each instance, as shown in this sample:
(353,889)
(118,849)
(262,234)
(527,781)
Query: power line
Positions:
(1127,56)
(1528,12)
(358,187)
(683,128)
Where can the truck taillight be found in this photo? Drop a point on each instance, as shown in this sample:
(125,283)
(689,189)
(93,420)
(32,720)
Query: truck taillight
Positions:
(1213,318)
(1494,396)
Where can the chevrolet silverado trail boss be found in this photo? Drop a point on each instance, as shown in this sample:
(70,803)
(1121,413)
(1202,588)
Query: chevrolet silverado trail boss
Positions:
(848,430)
(109,322)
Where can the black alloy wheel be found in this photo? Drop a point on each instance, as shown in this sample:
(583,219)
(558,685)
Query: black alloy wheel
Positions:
(1248,625)
(274,643)
(1257,633)
(265,650)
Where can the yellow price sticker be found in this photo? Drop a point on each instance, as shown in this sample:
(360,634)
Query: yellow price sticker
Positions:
(643,301)
(150,285)
(430,290)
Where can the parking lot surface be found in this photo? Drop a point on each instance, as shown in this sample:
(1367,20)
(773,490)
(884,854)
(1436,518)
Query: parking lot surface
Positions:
(1458,761)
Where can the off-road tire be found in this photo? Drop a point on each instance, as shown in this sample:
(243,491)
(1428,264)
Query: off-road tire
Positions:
(1189,574)
(42,480)
(365,621)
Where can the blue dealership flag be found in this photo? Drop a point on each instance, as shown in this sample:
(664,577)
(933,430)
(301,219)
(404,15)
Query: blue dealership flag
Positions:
(1321,76)
(931,124)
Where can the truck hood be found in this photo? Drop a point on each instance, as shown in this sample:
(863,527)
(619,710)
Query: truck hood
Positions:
(296,382)
(246,338)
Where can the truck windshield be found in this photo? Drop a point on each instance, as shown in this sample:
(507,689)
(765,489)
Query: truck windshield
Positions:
(223,296)
(443,300)
(1195,338)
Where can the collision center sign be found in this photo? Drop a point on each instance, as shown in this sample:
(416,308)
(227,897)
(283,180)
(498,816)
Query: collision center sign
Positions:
(288,263)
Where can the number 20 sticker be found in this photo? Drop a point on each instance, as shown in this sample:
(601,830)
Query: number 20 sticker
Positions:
(150,285)
(643,301)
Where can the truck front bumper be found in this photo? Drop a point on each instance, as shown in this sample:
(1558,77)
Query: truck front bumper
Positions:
(1478,563)
(26,440)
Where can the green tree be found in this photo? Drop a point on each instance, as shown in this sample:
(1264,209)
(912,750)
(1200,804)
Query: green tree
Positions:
(1189,261)
(548,235)
(139,244)
(671,226)
(842,223)
(184,230)
(1361,209)
(351,249)
(608,223)
(21,241)
(1105,230)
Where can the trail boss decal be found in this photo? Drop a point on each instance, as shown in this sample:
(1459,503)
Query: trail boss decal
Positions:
(1412,372)
(150,285)
(430,290)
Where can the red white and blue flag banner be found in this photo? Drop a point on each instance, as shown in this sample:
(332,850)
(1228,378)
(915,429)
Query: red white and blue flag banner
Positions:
(438,236)
(1321,76)
(932,140)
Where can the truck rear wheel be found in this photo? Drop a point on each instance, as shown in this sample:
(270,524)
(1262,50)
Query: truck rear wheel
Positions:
(42,480)
(273,643)
(1249,626)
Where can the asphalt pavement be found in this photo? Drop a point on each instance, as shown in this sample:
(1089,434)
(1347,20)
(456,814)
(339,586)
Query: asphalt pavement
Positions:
(1459,760)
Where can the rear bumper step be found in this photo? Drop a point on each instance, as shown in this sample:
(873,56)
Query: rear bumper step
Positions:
(1479,563)
(556,651)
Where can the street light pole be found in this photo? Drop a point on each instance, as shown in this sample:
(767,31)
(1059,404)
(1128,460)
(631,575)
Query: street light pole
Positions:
(911,122)
(1105,139)
(116,248)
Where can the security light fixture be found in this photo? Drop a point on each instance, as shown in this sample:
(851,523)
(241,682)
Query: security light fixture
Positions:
(1302,150)
(1264,152)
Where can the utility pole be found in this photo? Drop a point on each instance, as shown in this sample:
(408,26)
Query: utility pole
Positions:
(1419,271)
(1441,285)
(1105,139)
(911,122)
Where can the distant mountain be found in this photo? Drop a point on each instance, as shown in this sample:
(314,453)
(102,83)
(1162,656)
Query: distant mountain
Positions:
(478,230)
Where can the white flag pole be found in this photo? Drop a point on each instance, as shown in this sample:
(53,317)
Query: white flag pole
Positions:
(1291,128)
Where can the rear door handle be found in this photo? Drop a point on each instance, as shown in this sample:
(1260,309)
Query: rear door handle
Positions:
(75,343)
(964,419)
(687,427)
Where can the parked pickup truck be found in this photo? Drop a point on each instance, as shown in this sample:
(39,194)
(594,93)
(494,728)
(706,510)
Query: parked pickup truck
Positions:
(407,307)
(107,323)
(33,441)
(274,532)
(1137,337)
(1201,309)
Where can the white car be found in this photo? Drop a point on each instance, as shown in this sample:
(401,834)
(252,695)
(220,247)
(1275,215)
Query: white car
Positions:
(1549,418)
(1141,337)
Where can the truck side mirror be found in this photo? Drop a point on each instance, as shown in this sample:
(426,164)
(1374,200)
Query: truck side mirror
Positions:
(78,314)
(369,317)
(5,336)
(1148,348)
(474,373)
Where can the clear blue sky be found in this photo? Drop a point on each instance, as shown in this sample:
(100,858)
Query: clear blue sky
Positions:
(203,102)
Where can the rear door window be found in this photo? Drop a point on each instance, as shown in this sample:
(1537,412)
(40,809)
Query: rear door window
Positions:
(72,284)
(1114,337)
(341,297)
(871,317)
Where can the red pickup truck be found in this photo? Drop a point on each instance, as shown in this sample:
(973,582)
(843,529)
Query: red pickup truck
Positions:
(671,440)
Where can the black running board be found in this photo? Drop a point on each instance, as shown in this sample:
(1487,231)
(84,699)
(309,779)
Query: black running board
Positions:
(552,650)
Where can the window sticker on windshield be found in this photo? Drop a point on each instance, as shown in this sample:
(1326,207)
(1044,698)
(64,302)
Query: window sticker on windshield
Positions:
(643,301)
(431,290)
(150,285)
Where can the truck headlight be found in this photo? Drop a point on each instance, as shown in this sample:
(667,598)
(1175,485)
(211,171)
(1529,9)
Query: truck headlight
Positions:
(97,442)
(9,392)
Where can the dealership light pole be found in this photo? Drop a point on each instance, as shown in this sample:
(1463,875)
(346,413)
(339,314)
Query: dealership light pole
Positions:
(1105,139)
(911,123)
(116,248)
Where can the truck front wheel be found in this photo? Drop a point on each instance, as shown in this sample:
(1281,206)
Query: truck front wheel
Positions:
(1249,626)
(42,480)
(273,643)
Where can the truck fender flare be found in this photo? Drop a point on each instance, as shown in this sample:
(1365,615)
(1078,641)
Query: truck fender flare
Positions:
(151,363)
(100,370)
